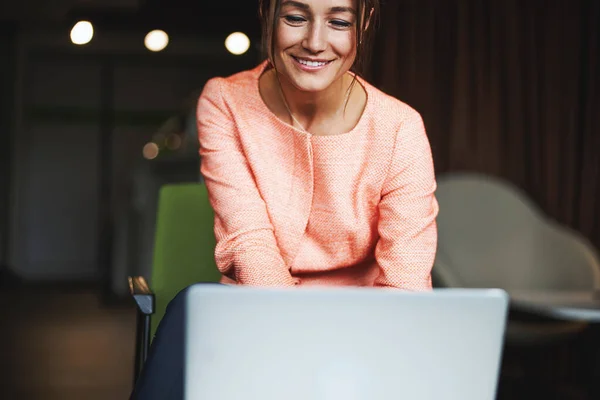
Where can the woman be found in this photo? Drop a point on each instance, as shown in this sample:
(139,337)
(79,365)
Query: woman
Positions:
(315,176)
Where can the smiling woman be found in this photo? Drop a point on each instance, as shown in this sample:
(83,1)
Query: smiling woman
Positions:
(315,176)
(312,45)
(324,37)
(354,16)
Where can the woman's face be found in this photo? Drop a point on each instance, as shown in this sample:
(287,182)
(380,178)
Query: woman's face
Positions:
(315,42)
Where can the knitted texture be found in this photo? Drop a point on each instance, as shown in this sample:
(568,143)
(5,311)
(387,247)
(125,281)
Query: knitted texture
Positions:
(292,208)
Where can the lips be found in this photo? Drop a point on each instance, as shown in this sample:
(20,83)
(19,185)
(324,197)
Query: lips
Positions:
(311,65)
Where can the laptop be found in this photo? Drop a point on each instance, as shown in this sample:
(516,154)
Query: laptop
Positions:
(248,343)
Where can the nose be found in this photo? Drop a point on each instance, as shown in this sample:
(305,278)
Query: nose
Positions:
(316,38)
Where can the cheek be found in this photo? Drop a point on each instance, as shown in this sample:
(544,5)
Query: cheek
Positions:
(286,37)
(344,45)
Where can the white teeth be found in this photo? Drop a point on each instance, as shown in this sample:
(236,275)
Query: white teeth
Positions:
(313,64)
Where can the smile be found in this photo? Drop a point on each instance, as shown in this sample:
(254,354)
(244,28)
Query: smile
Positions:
(311,65)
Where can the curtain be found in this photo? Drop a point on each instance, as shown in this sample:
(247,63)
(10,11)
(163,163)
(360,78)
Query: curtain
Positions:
(508,88)
(8,72)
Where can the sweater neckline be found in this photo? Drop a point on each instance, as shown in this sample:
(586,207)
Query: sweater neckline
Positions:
(261,69)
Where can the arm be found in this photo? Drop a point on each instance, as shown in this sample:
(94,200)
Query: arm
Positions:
(407,212)
(246,249)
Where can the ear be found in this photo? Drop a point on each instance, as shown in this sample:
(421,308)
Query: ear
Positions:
(368,23)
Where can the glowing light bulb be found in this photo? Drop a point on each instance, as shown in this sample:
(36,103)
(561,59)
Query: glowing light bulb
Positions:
(156,40)
(82,32)
(150,151)
(237,43)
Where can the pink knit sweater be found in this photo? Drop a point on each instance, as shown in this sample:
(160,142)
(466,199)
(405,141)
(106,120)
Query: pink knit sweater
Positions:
(292,208)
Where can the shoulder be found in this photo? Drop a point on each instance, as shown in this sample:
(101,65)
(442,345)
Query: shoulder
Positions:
(221,95)
(233,86)
(396,122)
(389,110)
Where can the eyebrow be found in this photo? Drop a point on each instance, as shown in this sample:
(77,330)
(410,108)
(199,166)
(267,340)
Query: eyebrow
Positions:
(306,7)
(342,10)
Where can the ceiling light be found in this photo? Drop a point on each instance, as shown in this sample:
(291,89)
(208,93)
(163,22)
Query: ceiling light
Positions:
(150,151)
(82,32)
(237,43)
(156,40)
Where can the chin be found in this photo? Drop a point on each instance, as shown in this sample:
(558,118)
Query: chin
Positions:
(312,85)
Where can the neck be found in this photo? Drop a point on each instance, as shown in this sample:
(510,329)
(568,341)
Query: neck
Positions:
(312,107)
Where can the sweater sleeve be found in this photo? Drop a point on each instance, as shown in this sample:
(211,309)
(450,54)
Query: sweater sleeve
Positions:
(408,209)
(246,249)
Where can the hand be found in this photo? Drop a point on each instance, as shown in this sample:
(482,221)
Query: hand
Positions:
(225,280)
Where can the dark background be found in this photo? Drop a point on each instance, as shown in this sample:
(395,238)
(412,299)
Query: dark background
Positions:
(508,88)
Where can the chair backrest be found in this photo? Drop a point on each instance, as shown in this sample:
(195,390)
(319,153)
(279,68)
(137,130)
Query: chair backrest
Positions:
(184,243)
(492,235)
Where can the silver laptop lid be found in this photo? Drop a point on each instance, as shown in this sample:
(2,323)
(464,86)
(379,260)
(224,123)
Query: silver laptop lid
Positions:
(343,343)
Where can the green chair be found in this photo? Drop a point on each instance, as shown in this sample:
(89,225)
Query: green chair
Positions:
(184,248)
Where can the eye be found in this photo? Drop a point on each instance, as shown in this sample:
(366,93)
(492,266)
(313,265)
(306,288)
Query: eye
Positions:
(338,23)
(294,19)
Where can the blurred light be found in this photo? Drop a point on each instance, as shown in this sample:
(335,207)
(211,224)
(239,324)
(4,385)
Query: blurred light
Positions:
(150,151)
(237,43)
(173,142)
(82,32)
(156,40)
